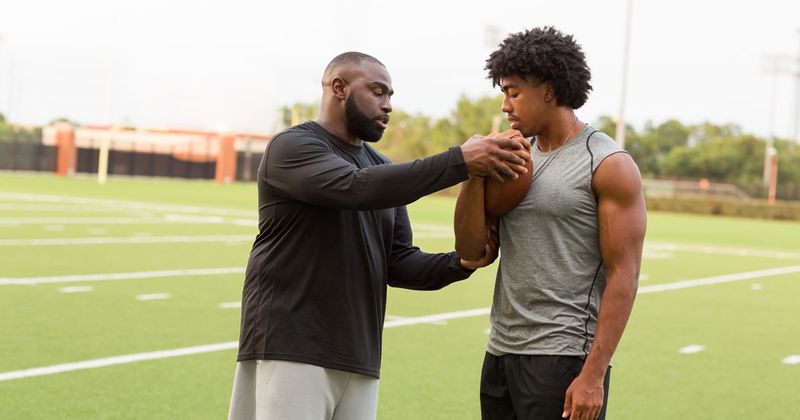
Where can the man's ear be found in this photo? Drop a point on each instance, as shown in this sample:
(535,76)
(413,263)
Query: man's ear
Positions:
(338,85)
(549,94)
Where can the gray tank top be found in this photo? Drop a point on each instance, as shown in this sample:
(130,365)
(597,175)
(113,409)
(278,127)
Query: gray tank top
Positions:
(551,273)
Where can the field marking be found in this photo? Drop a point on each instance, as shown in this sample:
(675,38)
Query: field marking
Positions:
(792,360)
(136,239)
(756,287)
(117,360)
(133,205)
(186,351)
(153,296)
(694,348)
(76,289)
(725,278)
(131,358)
(27,281)
(59,208)
(721,250)
(166,219)
(231,305)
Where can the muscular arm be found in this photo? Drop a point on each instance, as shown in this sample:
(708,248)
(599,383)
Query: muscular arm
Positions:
(622,222)
(469,219)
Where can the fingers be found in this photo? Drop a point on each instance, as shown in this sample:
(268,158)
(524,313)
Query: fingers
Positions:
(494,174)
(567,404)
(512,157)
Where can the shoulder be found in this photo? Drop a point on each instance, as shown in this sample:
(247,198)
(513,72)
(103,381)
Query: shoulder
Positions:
(617,177)
(296,139)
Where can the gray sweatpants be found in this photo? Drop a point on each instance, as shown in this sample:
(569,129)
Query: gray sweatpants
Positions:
(279,390)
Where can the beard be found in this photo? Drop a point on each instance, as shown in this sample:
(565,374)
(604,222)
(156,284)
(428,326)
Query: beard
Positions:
(359,124)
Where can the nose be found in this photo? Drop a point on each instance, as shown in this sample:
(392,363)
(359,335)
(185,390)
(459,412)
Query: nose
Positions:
(386,105)
(506,107)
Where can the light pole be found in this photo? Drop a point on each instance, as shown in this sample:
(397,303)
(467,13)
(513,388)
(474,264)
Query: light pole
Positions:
(796,115)
(620,132)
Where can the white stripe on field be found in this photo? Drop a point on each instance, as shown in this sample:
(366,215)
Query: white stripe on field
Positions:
(230,345)
(726,278)
(131,358)
(153,296)
(437,317)
(135,205)
(142,239)
(706,249)
(117,360)
(121,276)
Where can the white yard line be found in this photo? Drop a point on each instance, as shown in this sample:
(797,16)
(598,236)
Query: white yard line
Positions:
(28,281)
(108,240)
(153,296)
(726,278)
(231,345)
(721,250)
(133,205)
(116,360)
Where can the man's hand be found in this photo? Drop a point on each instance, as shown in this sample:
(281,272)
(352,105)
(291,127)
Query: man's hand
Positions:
(584,398)
(501,156)
(490,250)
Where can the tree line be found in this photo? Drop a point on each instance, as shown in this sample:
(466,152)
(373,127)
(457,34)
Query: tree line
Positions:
(667,150)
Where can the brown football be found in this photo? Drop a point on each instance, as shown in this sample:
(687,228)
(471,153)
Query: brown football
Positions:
(500,198)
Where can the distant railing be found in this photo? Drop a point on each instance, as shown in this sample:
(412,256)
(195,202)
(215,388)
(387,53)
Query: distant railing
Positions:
(194,155)
(691,189)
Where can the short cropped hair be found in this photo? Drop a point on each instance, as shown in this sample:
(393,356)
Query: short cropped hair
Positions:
(350,58)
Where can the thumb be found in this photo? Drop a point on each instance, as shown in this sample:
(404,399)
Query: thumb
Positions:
(567,404)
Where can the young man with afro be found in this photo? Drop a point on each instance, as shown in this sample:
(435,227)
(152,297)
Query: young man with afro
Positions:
(570,251)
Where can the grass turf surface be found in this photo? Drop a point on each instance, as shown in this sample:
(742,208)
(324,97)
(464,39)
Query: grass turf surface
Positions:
(430,371)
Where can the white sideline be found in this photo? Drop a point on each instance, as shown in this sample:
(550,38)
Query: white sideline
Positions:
(27,281)
(719,279)
(108,240)
(135,205)
(131,358)
(116,360)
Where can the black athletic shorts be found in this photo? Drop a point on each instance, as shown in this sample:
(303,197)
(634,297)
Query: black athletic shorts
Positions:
(521,387)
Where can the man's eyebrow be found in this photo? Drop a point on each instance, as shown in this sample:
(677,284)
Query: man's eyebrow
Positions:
(508,86)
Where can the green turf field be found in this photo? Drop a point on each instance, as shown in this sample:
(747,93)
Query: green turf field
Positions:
(137,267)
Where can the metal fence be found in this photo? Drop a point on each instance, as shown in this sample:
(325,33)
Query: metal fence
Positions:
(34,156)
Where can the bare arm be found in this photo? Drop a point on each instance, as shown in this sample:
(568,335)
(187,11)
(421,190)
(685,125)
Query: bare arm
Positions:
(622,222)
(469,219)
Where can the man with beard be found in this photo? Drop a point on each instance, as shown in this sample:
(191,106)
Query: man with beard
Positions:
(333,233)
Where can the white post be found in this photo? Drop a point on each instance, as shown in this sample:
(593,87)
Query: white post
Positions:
(102,159)
(771,133)
(620,133)
(796,115)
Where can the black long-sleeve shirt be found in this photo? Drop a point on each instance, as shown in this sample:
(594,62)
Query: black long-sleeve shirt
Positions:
(333,232)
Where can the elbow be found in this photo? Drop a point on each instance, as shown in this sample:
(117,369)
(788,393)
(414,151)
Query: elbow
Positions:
(469,250)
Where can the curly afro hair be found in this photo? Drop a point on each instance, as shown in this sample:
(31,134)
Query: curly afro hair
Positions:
(547,55)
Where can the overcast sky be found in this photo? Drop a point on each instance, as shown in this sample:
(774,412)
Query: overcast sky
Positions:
(228,65)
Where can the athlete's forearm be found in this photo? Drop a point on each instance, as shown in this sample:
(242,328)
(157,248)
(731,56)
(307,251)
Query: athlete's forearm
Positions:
(469,219)
(615,310)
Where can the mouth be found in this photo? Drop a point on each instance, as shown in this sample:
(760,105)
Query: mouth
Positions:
(382,122)
(514,122)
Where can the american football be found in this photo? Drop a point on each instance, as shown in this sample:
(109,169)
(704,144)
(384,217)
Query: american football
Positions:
(500,198)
